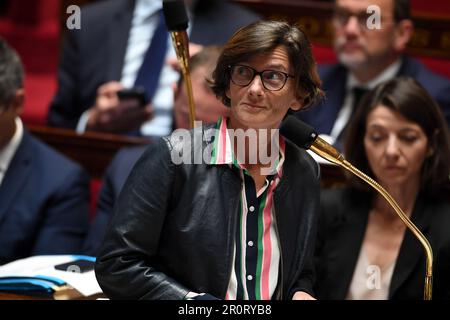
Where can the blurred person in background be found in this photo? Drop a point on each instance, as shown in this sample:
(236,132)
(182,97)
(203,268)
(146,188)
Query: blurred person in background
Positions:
(125,44)
(399,137)
(367,57)
(208,109)
(43,195)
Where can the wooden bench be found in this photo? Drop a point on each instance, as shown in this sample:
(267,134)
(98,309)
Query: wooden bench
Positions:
(92,150)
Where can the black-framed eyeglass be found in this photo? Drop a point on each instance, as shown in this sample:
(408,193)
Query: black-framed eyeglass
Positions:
(272,80)
(341,17)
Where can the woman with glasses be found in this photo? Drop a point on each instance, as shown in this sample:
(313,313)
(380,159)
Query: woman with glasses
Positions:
(364,251)
(232,226)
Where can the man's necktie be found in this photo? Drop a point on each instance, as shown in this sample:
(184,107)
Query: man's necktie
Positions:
(357,93)
(148,75)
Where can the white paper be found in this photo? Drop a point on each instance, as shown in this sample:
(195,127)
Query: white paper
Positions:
(86,283)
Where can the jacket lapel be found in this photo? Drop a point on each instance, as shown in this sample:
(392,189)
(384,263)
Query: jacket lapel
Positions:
(411,249)
(15,177)
(118,40)
(334,89)
(231,192)
(346,245)
(287,219)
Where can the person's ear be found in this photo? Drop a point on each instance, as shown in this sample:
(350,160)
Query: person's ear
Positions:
(227,93)
(430,151)
(296,104)
(403,34)
(430,148)
(18,101)
(432,143)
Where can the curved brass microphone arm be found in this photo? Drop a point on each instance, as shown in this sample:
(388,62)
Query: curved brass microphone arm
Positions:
(329,153)
(180,42)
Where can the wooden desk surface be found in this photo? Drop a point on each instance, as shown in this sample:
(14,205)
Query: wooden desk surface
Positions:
(12,296)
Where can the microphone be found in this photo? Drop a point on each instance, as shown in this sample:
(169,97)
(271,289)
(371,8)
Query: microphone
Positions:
(177,23)
(305,137)
(175,15)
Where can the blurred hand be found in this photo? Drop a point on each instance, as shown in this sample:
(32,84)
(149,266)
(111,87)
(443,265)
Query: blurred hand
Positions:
(110,114)
(193,49)
(301,295)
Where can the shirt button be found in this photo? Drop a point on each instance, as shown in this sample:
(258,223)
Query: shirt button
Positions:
(252,208)
(249,277)
(250,243)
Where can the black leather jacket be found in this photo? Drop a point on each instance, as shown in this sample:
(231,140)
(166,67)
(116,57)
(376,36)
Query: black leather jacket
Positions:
(173,227)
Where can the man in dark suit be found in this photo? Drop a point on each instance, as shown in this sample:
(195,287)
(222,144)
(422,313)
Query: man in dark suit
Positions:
(106,55)
(43,196)
(368,54)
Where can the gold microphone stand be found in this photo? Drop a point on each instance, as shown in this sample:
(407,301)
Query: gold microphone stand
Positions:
(180,42)
(327,152)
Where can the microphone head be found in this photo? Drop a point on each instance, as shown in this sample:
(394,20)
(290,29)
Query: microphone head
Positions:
(300,133)
(175,15)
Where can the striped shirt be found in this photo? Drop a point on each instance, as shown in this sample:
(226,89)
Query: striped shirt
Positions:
(256,254)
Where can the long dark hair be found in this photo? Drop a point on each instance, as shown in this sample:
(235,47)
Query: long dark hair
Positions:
(407,97)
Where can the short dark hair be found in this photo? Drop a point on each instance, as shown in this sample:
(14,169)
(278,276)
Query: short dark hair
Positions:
(11,73)
(263,37)
(407,97)
(206,57)
(402,10)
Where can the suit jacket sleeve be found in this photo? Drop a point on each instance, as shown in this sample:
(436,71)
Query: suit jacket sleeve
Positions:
(113,180)
(127,264)
(443,99)
(65,221)
(65,108)
(105,204)
(307,275)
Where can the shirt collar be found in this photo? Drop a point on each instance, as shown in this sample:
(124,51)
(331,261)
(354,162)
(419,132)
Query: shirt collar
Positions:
(389,73)
(146,12)
(144,9)
(222,152)
(9,150)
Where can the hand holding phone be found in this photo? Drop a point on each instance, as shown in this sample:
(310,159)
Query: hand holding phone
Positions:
(117,110)
(134,93)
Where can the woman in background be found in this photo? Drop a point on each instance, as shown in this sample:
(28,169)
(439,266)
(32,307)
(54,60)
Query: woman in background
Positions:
(364,251)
